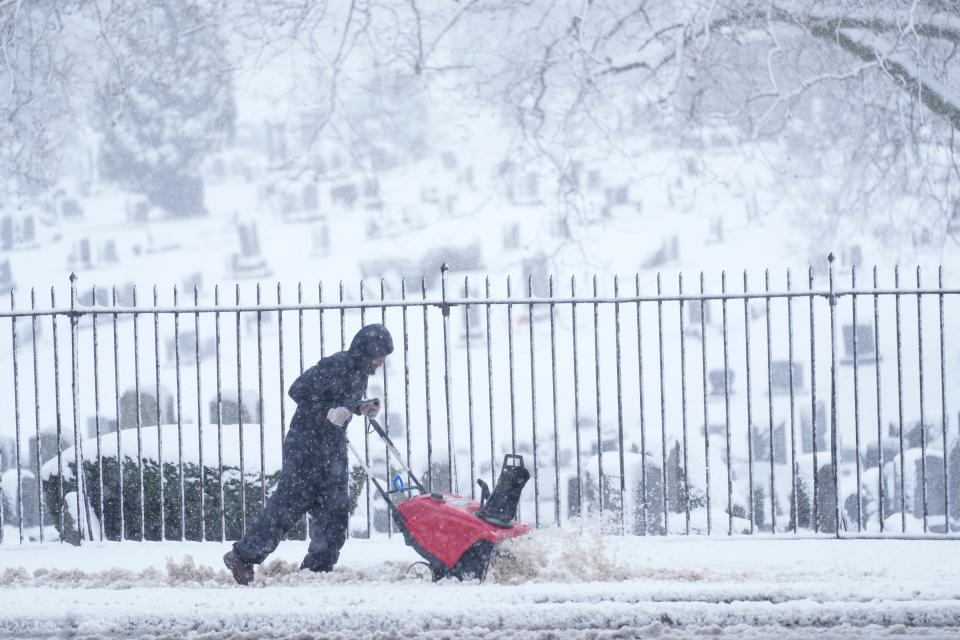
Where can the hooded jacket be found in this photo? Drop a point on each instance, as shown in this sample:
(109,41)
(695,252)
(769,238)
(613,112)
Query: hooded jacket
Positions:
(338,380)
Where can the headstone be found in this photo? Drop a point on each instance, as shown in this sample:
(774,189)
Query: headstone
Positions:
(853,256)
(188,347)
(194,279)
(86,298)
(125,295)
(933,466)
(106,426)
(865,343)
(617,196)
(697,311)
(6,276)
(806,429)
(48,449)
(717,386)
(70,208)
(467,258)
(228,413)
(28,230)
(536,269)
(673,250)
(321,238)
(109,253)
(658,258)
(249,263)
(344,193)
(84,252)
(780,376)
(249,241)
(476,321)
(715,234)
(6,233)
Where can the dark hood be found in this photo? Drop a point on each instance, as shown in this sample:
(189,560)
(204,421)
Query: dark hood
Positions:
(371,342)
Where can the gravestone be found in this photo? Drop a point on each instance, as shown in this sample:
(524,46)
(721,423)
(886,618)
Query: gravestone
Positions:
(697,311)
(866,351)
(28,231)
(6,233)
(717,387)
(6,277)
(780,373)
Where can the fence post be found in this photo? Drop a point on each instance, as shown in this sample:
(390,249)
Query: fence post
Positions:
(16,420)
(833,396)
(75,392)
(445,309)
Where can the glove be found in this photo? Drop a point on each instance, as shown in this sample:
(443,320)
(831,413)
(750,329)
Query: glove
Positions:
(370,408)
(338,416)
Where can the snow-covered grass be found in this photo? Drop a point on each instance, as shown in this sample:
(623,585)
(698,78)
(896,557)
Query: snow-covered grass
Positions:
(573,582)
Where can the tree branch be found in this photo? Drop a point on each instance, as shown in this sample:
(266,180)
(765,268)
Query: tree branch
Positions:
(932,94)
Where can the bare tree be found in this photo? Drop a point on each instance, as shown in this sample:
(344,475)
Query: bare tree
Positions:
(869,91)
(862,97)
(34,97)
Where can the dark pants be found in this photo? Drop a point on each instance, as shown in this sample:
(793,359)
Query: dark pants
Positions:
(314,480)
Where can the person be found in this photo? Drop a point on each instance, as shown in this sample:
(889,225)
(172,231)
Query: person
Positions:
(315,477)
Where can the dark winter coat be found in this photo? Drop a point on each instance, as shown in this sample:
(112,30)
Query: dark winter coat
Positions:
(338,380)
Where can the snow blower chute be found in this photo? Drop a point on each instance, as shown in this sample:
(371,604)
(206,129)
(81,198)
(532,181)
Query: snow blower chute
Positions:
(455,535)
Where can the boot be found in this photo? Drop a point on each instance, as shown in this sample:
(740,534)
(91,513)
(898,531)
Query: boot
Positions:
(241,570)
(317,563)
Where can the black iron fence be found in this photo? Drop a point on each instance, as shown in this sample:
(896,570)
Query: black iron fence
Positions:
(769,407)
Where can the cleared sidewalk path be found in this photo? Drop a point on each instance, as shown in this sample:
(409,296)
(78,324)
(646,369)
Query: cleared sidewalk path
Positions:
(572,583)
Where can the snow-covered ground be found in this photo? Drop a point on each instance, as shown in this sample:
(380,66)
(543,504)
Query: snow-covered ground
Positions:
(559,583)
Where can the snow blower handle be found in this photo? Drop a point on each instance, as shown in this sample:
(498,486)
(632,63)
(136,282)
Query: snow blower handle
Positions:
(396,454)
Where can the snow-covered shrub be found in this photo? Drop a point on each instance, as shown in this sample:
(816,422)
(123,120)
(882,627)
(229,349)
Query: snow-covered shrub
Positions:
(209,524)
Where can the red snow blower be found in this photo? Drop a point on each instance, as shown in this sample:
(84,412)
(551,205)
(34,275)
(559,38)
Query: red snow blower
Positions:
(456,536)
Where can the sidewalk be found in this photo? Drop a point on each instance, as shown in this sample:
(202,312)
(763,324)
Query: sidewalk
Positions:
(560,583)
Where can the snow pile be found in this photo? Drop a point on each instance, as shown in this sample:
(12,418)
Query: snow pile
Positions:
(186,572)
